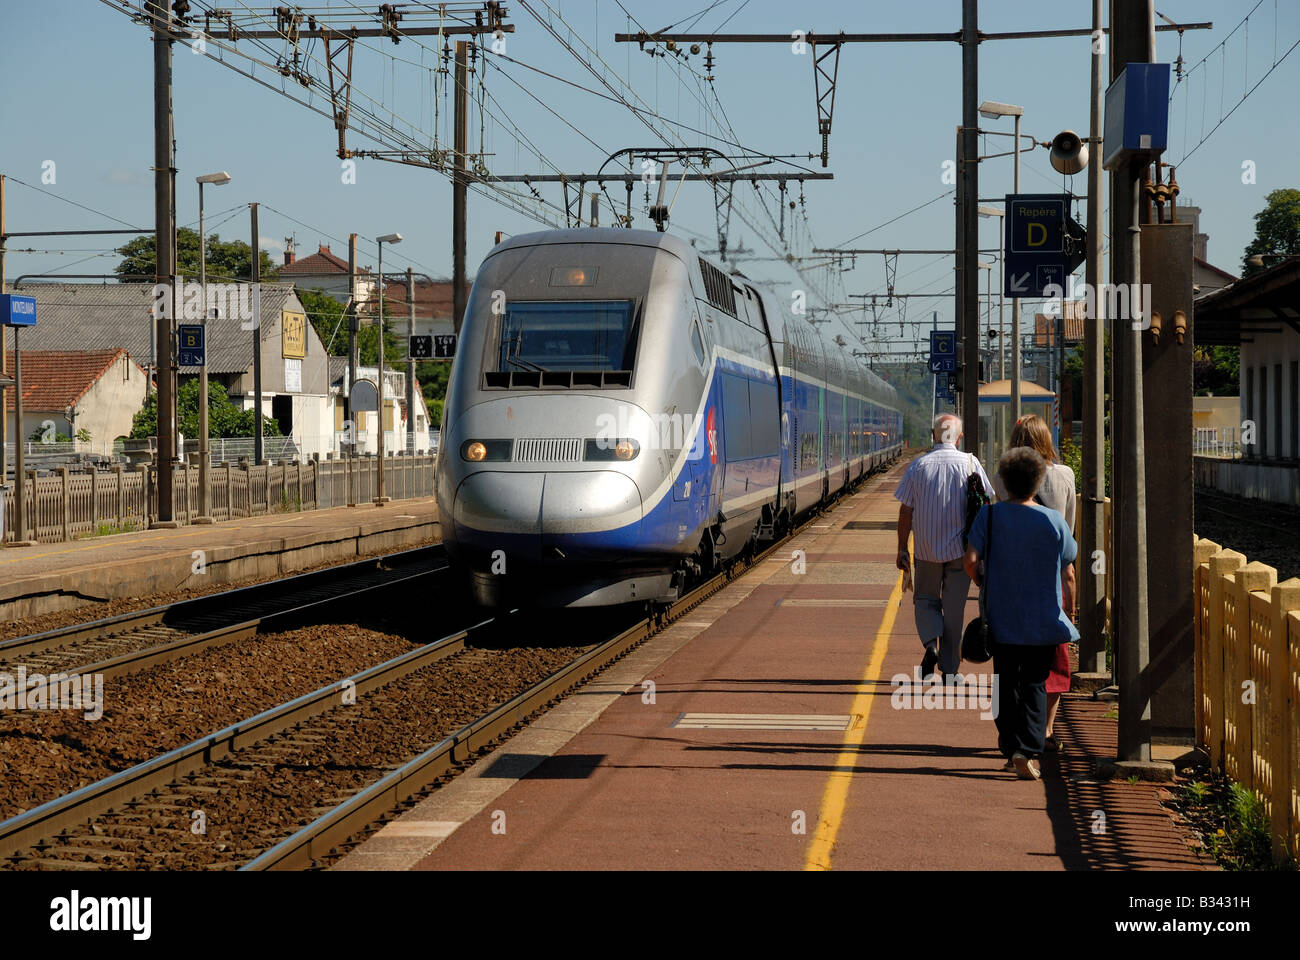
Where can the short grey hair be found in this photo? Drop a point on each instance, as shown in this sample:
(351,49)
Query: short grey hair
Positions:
(939,428)
(1021,470)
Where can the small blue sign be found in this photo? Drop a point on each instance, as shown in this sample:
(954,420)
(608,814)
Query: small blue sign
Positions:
(191,346)
(1137,115)
(1044,245)
(943,351)
(17,311)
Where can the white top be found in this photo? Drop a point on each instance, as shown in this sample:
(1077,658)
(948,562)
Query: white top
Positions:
(934,486)
(1056,491)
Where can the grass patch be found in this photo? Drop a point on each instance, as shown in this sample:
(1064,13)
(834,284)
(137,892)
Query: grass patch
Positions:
(106,529)
(1232,823)
(288,504)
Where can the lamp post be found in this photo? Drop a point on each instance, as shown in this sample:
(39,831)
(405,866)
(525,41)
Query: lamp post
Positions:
(217,180)
(379,484)
(992,110)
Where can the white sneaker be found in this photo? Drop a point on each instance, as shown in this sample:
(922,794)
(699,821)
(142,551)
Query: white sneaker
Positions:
(1026,767)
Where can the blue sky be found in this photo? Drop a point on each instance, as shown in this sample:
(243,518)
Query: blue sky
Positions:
(77,82)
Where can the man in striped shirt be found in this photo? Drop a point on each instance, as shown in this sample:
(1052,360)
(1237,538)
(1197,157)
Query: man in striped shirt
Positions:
(933,513)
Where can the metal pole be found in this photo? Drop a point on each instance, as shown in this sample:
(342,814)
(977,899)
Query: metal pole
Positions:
(934,386)
(203,373)
(1092,530)
(164,261)
(1130,23)
(349,418)
(256,274)
(4,358)
(460,186)
(958,287)
(1015,305)
(20,464)
(410,363)
(969,323)
(379,483)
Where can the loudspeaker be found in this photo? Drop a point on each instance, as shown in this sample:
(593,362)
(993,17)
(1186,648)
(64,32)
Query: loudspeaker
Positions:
(1069,153)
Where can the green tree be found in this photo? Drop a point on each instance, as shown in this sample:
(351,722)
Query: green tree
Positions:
(326,315)
(1216,371)
(433,384)
(327,318)
(225,419)
(1277,229)
(226,259)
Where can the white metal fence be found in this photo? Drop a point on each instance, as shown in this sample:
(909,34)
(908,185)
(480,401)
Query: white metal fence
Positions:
(1216,442)
(69,505)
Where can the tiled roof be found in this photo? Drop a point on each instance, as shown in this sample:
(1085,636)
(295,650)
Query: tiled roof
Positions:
(322,261)
(88,316)
(433,299)
(54,380)
(1045,325)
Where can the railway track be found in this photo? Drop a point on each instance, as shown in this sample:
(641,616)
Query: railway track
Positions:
(123,644)
(146,816)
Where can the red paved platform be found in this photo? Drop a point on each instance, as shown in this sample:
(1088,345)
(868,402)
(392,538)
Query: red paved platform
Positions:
(610,780)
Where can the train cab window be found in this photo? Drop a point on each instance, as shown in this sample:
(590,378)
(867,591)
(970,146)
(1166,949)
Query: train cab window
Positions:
(697,344)
(545,343)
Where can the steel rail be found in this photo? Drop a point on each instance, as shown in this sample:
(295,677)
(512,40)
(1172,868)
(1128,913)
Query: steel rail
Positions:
(196,607)
(363,808)
(28,829)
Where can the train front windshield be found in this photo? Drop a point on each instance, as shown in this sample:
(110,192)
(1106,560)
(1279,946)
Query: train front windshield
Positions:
(551,335)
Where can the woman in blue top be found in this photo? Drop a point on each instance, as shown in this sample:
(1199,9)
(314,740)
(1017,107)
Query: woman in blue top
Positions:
(1028,576)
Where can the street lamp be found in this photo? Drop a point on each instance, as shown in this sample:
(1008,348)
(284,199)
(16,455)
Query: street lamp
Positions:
(992,109)
(216,179)
(379,487)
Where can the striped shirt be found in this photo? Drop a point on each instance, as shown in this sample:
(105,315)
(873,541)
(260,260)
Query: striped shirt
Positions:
(934,486)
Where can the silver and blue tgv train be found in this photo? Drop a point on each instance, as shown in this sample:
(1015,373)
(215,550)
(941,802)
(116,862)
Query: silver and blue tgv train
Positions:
(624,417)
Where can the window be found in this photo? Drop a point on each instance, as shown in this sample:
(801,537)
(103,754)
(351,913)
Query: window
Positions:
(735,417)
(1261,432)
(697,344)
(553,335)
(1277,410)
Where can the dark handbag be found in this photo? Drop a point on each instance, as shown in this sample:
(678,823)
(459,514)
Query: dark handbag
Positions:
(975,499)
(977,639)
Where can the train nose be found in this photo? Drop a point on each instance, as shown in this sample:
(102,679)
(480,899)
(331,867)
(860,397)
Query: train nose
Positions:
(551,508)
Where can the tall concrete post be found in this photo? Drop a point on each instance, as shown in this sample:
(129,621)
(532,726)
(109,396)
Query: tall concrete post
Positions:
(164,254)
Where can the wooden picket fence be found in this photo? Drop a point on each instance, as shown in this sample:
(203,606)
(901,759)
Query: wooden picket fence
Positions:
(68,505)
(1248,681)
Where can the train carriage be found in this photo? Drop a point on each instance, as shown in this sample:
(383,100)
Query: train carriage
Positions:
(624,417)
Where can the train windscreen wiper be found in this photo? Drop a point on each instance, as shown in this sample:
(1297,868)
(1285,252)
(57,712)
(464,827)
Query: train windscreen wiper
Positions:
(527,364)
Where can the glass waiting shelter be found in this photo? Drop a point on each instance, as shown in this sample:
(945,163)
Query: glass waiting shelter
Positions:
(995,416)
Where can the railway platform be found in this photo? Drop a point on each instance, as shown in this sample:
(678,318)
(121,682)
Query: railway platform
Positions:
(51,577)
(762,730)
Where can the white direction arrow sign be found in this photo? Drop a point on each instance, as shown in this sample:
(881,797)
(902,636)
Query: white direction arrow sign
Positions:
(1019,284)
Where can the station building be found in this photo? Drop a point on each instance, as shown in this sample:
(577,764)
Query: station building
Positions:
(1261,315)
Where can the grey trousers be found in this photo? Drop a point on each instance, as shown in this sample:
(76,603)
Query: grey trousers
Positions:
(941,592)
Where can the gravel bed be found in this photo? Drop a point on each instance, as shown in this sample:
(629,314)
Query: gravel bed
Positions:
(46,753)
(98,610)
(1267,532)
(257,796)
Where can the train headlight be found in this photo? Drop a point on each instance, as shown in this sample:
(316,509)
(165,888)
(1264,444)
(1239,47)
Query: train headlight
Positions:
(476,451)
(622,449)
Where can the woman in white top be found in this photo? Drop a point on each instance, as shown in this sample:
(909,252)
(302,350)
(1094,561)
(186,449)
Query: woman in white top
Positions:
(1056,492)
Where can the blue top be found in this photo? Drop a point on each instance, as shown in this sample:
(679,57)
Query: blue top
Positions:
(1032,545)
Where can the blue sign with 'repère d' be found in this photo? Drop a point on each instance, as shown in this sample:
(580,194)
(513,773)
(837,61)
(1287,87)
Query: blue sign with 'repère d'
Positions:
(16,311)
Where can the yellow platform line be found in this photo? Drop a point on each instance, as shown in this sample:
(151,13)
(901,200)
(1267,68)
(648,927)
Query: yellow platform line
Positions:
(835,797)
